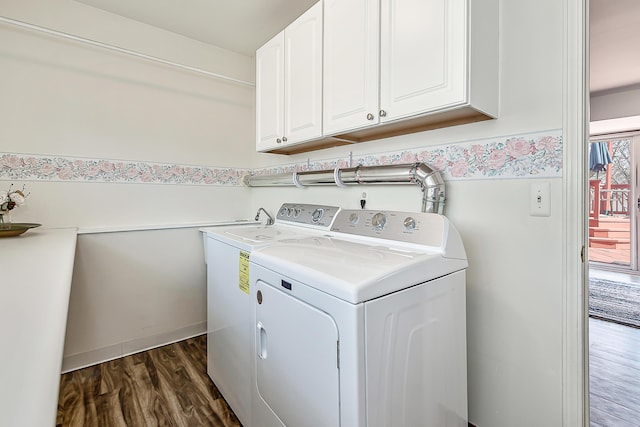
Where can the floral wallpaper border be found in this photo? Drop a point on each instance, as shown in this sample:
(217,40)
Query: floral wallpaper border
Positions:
(532,155)
(57,168)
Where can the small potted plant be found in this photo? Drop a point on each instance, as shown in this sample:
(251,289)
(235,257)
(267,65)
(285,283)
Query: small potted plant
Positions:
(10,200)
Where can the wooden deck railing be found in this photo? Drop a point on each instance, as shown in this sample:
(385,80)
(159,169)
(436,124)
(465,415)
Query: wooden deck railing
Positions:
(614,201)
(618,198)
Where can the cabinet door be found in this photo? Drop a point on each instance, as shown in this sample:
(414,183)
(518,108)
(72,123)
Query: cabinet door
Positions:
(351,56)
(423,56)
(270,93)
(303,77)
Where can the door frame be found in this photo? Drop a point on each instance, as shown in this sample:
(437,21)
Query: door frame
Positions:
(575,120)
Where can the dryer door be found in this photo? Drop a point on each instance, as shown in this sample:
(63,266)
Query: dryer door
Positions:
(296,360)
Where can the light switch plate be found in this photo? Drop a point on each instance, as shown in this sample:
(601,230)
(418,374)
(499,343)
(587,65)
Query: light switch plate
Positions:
(540,199)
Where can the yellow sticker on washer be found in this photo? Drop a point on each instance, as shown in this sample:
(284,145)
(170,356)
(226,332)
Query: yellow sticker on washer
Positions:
(243,272)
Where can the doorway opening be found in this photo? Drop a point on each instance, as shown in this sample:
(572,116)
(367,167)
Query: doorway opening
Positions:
(614,279)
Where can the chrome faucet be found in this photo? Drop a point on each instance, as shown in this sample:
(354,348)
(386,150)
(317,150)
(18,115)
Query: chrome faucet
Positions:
(269,217)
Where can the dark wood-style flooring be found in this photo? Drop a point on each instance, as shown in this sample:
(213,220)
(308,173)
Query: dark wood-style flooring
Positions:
(614,374)
(165,386)
(169,386)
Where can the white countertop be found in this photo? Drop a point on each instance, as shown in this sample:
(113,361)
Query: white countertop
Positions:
(35,282)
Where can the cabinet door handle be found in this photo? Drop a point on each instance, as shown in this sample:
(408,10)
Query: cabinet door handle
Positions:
(278,140)
(369,116)
(284,139)
(383,113)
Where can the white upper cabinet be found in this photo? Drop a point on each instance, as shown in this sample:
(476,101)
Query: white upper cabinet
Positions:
(351,64)
(434,62)
(270,93)
(355,70)
(289,84)
(422,56)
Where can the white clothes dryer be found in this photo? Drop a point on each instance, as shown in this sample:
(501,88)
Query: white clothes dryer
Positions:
(228,251)
(364,326)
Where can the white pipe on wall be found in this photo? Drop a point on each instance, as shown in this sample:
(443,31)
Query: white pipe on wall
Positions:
(129,52)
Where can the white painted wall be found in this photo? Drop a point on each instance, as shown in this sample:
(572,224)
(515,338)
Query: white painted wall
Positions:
(132,291)
(515,260)
(62,98)
(68,99)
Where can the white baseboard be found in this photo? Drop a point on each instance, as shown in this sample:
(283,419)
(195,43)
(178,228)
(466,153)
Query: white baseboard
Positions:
(82,360)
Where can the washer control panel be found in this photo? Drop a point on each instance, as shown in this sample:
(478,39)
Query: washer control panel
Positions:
(411,227)
(311,215)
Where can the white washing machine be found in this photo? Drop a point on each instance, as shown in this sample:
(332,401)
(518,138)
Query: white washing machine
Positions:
(364,326)
(228,250)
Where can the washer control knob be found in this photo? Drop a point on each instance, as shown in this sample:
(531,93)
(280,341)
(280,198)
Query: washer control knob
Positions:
(296,212)
(409,223)
(317,215)
(378,221)
(283,211)
(289,212)
(354,218)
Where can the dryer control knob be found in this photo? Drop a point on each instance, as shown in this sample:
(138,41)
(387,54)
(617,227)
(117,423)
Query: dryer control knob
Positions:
(378,221)
(317,215)
(409,223)
(354,218)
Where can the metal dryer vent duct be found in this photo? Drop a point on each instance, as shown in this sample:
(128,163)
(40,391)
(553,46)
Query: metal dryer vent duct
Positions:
(430,181)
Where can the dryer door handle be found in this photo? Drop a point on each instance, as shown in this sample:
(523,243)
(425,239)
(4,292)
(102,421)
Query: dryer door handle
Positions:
(261,340)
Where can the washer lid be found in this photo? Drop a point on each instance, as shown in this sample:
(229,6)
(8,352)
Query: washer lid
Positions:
(263,234)
(248,237)
(352,270)
(292,220)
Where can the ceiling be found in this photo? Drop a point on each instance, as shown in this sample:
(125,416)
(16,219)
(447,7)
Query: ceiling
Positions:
(614,44)
(244,25)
